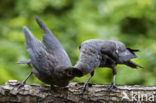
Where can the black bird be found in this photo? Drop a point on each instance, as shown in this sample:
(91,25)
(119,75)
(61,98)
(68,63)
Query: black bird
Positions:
(49,62)
(104,53)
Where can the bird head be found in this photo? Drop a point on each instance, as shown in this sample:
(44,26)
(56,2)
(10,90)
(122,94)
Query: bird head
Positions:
(63,75)
(73,72)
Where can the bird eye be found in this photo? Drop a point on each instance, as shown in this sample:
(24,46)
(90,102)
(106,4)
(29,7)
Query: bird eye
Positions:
(69,73)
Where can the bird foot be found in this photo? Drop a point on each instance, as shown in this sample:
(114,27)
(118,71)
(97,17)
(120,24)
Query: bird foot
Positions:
(85,88)
(20,85)
(53,88)
(112,86)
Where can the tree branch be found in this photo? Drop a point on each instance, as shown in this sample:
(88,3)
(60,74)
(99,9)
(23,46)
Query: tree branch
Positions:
(9,92)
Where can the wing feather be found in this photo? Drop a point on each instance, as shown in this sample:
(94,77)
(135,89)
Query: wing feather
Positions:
(53,45)
(37,52)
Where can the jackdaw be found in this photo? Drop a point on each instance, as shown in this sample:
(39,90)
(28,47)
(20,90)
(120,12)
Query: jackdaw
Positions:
(104,53)
(49,62)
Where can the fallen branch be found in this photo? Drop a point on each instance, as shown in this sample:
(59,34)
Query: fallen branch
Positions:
(9,92)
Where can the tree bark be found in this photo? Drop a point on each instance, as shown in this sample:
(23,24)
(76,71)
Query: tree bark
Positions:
(10,93)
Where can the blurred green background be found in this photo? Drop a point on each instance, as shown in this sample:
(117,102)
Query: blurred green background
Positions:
(73,21)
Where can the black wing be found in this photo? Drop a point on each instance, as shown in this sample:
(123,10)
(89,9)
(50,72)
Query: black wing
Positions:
(53,45)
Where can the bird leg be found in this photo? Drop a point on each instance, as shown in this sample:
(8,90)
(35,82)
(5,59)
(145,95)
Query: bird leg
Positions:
(112,86)
(52,88)
(85,87)
(24,81)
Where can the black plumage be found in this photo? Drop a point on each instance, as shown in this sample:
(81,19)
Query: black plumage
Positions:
(49,62)
(104,53)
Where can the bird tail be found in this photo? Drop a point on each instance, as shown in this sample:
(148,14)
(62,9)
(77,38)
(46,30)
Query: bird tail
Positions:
(133,65)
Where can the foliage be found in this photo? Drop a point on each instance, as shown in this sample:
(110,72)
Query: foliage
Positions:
(73,21)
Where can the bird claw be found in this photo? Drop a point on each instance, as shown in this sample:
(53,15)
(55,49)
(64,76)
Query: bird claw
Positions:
(112,86)
(85,88)
(20,85)
(53,88)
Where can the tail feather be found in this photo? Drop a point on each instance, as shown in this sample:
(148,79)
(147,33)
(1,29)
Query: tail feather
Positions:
(133,65)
